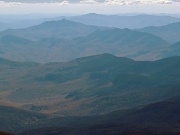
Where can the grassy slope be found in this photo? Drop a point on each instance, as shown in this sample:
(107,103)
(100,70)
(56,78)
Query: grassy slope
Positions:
(156,119)
(13,120)
(91,85)
(160,118)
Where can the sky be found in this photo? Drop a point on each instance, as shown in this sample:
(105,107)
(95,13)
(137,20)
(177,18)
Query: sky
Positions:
(89,6)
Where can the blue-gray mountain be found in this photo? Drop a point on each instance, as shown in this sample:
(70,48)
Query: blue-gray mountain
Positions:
(123,21)
(120,21)
(64,40)
(168,32)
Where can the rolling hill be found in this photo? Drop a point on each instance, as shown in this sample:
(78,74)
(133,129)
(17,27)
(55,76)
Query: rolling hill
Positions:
(120,42)
(168,32)
(88,86)
(161,118)
(13,120)
(97,94)
(173,50)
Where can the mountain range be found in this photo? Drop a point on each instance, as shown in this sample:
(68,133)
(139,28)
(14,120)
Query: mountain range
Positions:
(88,86)
(55,29)
(90,74)
(168,32)
(58,41)
(120,21)
(98,94)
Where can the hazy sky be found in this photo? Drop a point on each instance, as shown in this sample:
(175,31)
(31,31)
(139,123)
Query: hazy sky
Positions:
(89,6)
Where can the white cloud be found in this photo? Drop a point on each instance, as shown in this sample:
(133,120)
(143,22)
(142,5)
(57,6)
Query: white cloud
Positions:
(14,3)
(65,2)
(107,2)
(89,6)
(10,3)
(2,2)
(132,2)
(88,2)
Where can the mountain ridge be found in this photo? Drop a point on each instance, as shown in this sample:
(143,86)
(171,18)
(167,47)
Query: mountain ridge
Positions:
(131,22)
(90,85)
(91,40)
(52,29)
(168,32)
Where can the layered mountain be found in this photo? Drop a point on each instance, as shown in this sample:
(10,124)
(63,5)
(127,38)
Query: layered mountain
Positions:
(55,29)
(173,50)
(121,42)
(16,21)
(65,40)
(168,32)
(99,94)
(120,21)
(24,21)
(87,86)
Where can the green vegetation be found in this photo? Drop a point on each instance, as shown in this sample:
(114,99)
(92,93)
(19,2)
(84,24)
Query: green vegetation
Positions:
(91,85)
(13,120)
(161,118)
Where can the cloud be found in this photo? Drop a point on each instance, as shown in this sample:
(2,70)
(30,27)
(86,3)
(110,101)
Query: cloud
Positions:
(33,1)
(107,2)
(10,3)
(14,3)
(27,1)
(88,2)
(65,2)
(132,2)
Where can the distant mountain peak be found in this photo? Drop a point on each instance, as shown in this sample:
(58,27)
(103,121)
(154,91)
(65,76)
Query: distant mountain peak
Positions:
(60,22)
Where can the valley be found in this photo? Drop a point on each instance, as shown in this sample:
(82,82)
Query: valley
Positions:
(86,87)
